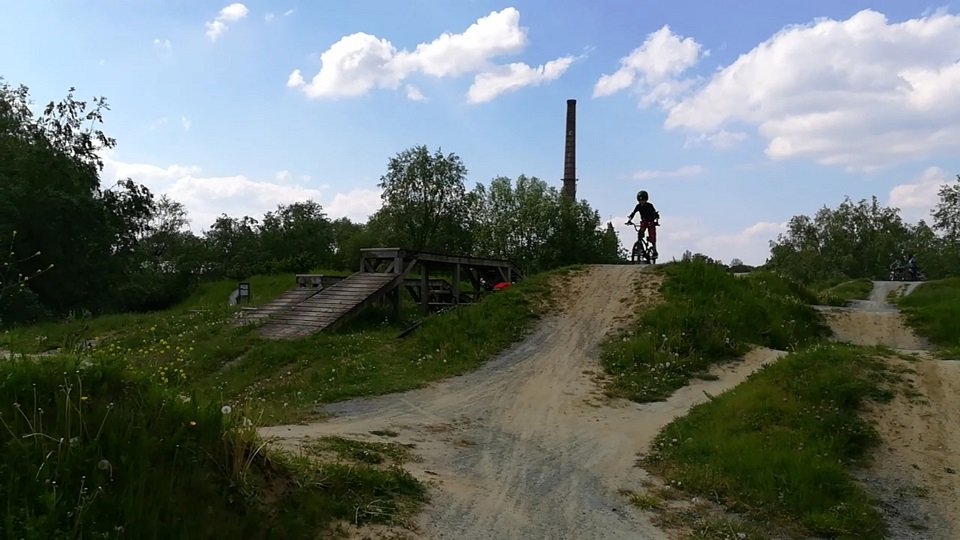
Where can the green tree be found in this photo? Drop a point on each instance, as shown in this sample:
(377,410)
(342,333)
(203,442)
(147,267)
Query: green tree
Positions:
(425,201)
(946,214)
(348,239)
(297,237)
(50,193)
(233,248)
(854,240)
(530,223)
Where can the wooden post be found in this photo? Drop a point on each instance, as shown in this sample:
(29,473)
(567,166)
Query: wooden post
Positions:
(395,300)
(424,292)
(456,284)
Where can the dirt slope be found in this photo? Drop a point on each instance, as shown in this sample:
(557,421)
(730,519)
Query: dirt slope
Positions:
(916,473)
(525,447)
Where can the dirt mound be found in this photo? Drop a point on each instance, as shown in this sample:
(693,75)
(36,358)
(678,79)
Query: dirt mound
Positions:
(527,446)
(916,470)
(875,321)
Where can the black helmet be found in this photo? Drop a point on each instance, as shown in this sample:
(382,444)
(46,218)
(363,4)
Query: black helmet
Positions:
(642,196)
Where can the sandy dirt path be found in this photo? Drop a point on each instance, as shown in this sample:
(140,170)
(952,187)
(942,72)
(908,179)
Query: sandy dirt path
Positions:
(525,447)
(916,472)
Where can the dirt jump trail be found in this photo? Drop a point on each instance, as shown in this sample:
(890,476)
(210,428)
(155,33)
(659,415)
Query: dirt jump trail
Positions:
(916,470)
(526,446)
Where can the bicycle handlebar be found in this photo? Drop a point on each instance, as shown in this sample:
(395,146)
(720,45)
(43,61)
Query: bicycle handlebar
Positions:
(637,225)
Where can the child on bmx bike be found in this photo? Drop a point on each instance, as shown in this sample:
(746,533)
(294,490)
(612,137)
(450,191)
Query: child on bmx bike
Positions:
(649,221)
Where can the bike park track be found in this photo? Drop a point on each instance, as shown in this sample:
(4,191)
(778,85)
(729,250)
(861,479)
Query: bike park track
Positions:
(527,446)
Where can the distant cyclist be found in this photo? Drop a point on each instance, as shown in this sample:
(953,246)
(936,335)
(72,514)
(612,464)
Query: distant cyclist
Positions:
(648,219)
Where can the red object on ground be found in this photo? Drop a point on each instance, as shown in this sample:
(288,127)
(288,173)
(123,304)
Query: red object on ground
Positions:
(502,285)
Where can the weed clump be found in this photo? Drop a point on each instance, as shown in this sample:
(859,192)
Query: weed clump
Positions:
(707,316)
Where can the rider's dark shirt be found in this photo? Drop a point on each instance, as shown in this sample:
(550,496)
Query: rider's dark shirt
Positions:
(646,210)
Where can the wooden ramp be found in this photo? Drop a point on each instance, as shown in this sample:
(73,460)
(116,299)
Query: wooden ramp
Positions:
(278,304)
(330,306)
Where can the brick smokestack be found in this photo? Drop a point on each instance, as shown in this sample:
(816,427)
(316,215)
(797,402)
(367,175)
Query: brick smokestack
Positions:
(570,153)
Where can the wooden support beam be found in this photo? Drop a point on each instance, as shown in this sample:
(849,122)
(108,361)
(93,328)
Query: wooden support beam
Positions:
(456,284)
(424,288)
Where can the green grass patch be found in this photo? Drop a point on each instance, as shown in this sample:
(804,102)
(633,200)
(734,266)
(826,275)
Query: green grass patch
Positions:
(89,449)
(778,446)
(933,309)
(192,348)
(707,316)
(841,294)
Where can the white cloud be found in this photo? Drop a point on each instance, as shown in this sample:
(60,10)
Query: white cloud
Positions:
(653,68)
(232,13)
(357,204)
(487,86)
(162,45)
(271,15)
(206,197)
(723,139)
(360,62)
(102,62)
(917,199)
(414,93)
(186,123)
(686,170)
(677,234)
(162,121)
(295,79)
(861,93)
(751,244)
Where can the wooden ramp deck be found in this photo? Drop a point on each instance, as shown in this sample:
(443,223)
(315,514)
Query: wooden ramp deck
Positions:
(278,304)
(330,306)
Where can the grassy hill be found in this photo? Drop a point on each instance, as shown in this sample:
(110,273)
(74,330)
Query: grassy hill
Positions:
(143,425)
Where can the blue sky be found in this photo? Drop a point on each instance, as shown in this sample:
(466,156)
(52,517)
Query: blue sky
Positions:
(735,116)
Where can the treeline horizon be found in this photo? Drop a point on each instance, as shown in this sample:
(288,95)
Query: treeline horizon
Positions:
(70,245)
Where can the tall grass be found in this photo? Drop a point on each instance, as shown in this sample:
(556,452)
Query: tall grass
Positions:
(778,445)
(707,316)
(934,310)
(90,450)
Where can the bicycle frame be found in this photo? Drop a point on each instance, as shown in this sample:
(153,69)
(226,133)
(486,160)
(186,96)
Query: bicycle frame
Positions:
(641,248)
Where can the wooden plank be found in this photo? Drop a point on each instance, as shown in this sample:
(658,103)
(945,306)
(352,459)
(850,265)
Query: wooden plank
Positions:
(308,316)
(357,285)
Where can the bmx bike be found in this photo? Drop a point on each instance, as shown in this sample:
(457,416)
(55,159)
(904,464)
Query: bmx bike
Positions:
(642,248)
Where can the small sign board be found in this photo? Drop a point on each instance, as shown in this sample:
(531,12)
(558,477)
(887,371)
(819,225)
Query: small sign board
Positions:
(243,292)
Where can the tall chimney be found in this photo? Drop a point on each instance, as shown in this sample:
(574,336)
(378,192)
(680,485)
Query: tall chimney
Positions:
(570,153)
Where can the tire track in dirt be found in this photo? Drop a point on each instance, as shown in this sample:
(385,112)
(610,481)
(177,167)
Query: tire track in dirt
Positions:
(525,446)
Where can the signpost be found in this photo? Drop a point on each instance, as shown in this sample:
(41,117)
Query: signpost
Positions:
(243,292)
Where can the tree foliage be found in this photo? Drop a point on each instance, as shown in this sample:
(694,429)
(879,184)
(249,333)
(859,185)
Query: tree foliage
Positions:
(121,248)
(530,223)
(863,239)
(425,200)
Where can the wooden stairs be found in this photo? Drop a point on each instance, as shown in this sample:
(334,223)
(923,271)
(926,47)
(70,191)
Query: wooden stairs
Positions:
(326,308)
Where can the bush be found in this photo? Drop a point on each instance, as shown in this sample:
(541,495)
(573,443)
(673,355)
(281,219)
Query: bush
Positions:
(21,306)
